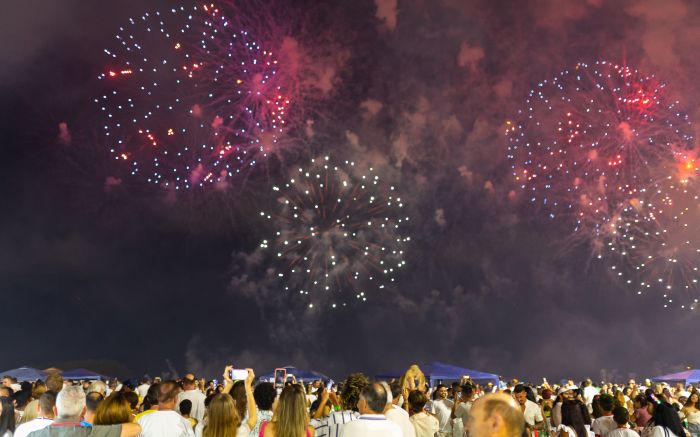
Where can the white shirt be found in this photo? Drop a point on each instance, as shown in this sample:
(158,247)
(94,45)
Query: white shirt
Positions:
(165,424)
(442,409)
(623,432)
(589,393)
(142,390)
(425,424)
(603,425)
(400,417)
(462,410)
(332,425)
(658,431)
(533,413)
(33,425)
(371,425)
(197,398)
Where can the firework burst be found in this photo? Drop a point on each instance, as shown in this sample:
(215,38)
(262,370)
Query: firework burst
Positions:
(190,99)
(339,235)
(590,139)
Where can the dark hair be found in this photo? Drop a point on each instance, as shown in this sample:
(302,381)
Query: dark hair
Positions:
(607,402)
(92,400)
(665,416)
(596,408)
(572,416)
(132,398)
(621,415)
(241,400)
(7,418)
(264,395)
(642,400)
(519,388)
(352,387)
(185,407)
(467,390)
(376,397)
(151,398)
(46,402)
(417,400)
(395,389)
(530,394)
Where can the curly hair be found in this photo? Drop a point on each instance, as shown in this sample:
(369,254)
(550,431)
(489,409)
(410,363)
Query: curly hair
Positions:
(352,387)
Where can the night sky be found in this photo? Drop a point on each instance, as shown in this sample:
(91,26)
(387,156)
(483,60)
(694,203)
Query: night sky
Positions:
(124,276)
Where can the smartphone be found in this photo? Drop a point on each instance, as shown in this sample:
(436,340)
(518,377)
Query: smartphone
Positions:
(280,377)
(238,374)
(329,386)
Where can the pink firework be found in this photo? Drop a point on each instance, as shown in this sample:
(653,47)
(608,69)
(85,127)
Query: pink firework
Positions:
(589,139)
(190,99)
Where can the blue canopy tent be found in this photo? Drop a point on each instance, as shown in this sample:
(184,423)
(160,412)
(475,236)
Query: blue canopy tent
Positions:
(306,375)
(686,377)
(435,371)
(25,373)
(82,374)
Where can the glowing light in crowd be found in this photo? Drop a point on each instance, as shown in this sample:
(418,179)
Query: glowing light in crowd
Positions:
(190,99)
(339,234)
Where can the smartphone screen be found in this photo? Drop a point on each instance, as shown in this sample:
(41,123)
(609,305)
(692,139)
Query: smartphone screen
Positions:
(280,377)
(238,374)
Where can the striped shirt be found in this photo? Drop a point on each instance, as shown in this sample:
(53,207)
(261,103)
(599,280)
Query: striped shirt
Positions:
(330,426)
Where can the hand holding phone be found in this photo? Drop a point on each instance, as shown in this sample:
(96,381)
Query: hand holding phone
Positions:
(238,374)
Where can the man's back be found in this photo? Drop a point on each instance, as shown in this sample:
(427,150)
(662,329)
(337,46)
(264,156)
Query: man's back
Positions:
(400,417)
(603,425)
(165,424)
(371,425)
(197,398)
(425,424)
(33,425)
(78,431)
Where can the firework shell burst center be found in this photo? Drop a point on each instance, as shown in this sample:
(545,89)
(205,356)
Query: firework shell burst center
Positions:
(190,99)
(605,149)
(339,233)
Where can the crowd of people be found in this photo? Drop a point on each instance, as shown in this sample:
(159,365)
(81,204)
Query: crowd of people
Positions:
(357,407)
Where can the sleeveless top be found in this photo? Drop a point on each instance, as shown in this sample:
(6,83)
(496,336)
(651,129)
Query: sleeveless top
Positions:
(264,425)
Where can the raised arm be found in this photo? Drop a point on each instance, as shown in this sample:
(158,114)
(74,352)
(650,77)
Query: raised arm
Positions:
(250,400)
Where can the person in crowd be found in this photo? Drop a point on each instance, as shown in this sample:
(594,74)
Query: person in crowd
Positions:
(69,408)
(44,418)
(92,403)
(165,422)
(264,395)
(495,415)
(150,402)
(7,416)
(589,391)
(573,420)
(133,399)
(98,387)
(563,394)
(622,417)
(665,421)
(185,408)
(605,423)
(191,393)
(54,382)
(242,394)
(142,389)
(291,418)
(692,414)
(349,397)
(115,409)
(395,413)
(423,423)
(531,411)
(460,410)
(641,415)
(441,407)
(311,395)
(372,422)
(222,419)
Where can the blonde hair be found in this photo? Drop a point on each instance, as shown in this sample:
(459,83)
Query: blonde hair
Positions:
(291,417)
(222,417)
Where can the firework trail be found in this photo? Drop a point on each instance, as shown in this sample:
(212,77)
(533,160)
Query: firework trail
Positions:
(339,235)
